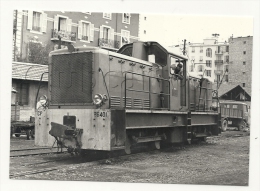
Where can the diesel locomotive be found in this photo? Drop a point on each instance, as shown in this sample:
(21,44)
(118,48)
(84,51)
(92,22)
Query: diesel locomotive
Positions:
(103,100)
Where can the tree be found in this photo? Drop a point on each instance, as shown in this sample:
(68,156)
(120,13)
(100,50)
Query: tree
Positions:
(38,52)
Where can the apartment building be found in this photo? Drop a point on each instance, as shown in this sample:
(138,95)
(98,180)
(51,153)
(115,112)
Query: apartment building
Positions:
(59,28)
(240,69)
(209,59)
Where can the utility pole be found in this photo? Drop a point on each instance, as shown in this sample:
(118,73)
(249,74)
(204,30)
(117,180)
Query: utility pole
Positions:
(184,46)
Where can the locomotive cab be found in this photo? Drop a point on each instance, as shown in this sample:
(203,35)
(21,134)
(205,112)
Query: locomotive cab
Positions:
(173,68)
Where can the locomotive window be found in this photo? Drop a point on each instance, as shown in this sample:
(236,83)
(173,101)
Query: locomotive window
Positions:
(227,106)
(234,106)
(127,51)
(160,55)
(174,64)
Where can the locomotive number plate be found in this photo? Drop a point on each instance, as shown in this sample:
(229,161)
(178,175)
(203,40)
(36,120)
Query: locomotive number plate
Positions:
(100,113)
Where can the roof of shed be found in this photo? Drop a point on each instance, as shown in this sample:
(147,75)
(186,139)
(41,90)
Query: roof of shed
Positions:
(29,71)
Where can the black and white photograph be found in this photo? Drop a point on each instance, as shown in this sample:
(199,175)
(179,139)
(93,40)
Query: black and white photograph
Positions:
(129,95)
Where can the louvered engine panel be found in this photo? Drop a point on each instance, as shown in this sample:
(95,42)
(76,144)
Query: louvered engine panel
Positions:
(128,102)
(115,101)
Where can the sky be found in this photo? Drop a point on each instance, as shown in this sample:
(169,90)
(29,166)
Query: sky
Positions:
(171,29)
(194,24)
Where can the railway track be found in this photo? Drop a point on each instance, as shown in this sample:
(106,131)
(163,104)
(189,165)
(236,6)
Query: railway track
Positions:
(91,157)
(59,163)
(33,151)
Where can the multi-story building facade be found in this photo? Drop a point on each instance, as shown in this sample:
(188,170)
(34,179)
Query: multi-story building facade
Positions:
(209,59)
(106,30)
(241,61)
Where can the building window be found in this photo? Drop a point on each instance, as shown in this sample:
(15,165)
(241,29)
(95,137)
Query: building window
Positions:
(226,78)
(144,31)
(208,63)
(244,73)
(244,84)
(193,49)
(126,18)
(106,38)
(62,24)
(191,68)
(201,58)
(227,48)
(85,31)
(244,52)
(226,68)
(244,42)
(227,58)
(209,52)
(208,73)
(107,15)
(218,78)
(201,49)
(200,68)
(62,28)
(22,95)
(244,63)
(125,37)
(145,18)
(37,21)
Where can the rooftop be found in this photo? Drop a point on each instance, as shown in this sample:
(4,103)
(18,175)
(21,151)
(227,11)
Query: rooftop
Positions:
(29,71)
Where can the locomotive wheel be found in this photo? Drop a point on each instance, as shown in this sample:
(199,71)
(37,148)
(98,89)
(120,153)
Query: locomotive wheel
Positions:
(28,133)
(18,130)
(241,126)
(224,125)
(127,145)
(32,133)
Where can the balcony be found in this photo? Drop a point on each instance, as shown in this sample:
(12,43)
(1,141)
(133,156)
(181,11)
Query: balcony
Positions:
(218,62)
(65,36)
(219,52)
(107,43)
(218,72)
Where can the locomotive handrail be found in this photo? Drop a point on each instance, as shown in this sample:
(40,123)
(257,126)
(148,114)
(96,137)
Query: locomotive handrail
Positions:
(39,88)
(149,77)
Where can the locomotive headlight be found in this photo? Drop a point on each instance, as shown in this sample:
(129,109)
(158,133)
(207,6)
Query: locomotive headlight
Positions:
(99,99)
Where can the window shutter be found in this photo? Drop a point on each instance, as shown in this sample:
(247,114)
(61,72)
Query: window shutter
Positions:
(69,22)
(80,30)
(101,32)
(30,20)
(91,37)
(111,37)
(56,22)
(43,22)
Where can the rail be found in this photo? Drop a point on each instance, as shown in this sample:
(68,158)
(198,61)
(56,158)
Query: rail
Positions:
(161,94)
